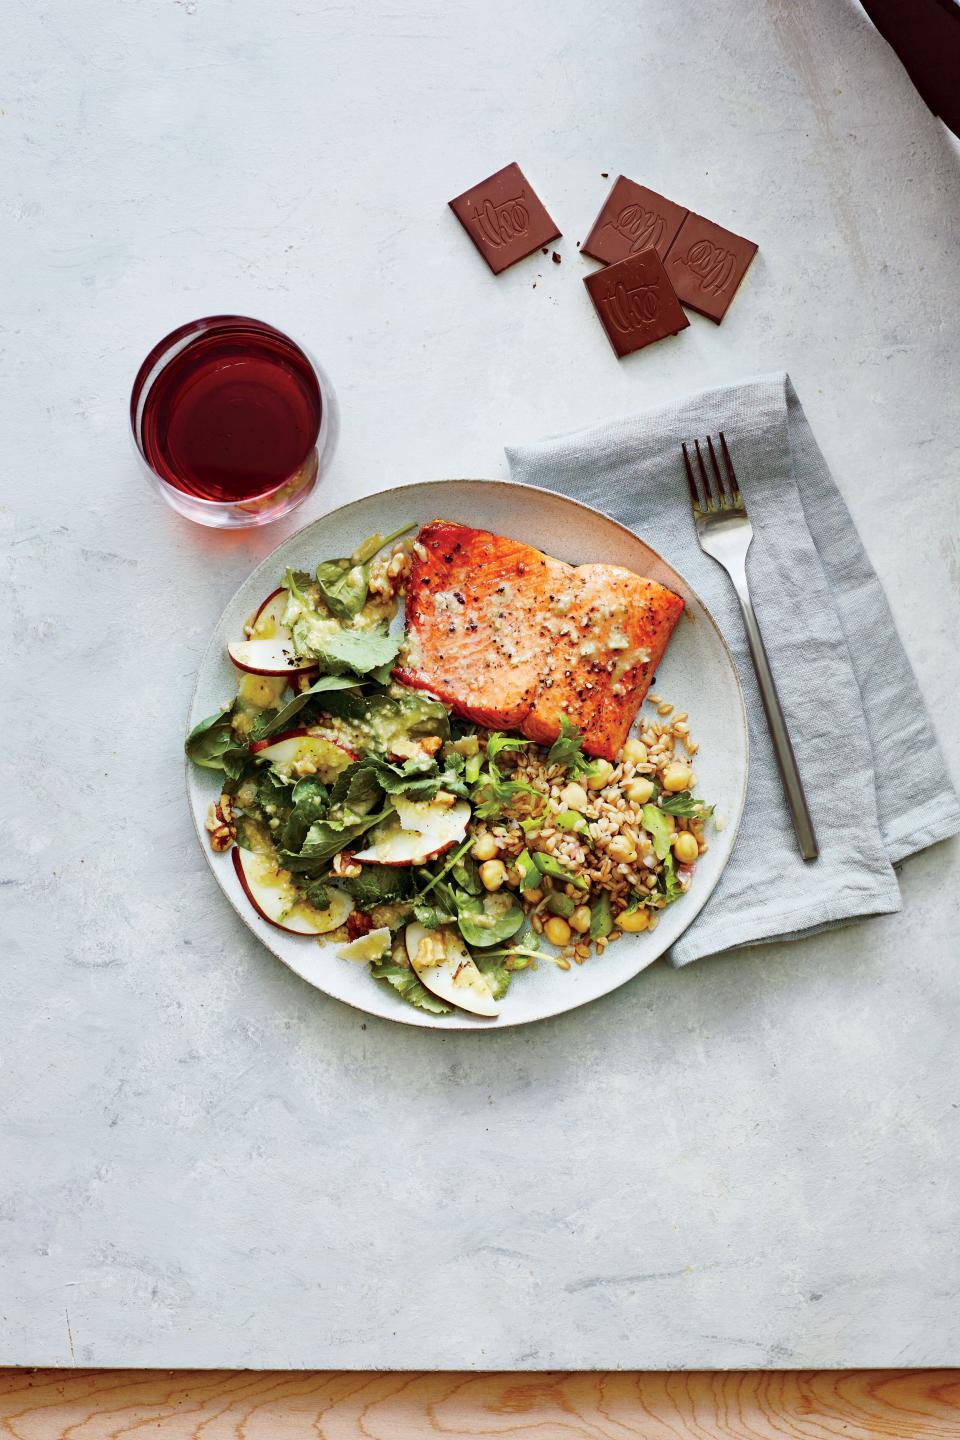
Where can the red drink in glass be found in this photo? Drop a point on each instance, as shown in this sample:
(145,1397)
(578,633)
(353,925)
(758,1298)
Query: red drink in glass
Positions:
(233,420)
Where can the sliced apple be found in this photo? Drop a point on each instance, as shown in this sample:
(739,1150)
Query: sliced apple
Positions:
(296,750)
(420,830)
(269,648)
(269,657)
(367,949)
(269,618)
(444,965)
(274,896)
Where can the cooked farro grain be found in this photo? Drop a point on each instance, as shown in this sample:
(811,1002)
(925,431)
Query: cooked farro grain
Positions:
(609,816)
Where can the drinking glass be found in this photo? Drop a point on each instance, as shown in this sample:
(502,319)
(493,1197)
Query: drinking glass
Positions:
(233,420)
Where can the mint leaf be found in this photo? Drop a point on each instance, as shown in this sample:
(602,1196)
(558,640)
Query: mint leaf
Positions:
(378,885)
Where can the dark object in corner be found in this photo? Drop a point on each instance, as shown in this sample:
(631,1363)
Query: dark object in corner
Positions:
(926,36)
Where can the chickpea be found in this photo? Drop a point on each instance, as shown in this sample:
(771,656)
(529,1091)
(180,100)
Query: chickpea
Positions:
(602,770)
(635,751)
(486,848)
(492,874)
(633,921)
(622,850)
(580,919)
(639,791)
(574,797)
(557,931)
(676,776)
(685,847)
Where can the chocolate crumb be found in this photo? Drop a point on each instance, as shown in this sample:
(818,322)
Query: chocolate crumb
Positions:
(556,257)
(604,174)
(545,250)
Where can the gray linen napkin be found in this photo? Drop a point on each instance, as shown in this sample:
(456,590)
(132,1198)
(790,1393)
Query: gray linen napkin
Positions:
(871,765)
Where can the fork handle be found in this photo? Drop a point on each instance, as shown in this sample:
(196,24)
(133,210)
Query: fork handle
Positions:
(776,722)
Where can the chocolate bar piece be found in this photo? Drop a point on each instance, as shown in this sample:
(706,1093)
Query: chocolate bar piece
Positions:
(706,264)
(504,218)
(635,302)
(633,219)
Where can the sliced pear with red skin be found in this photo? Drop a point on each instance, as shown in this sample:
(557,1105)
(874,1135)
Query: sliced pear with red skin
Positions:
(443,964)
(269,657)
(420,830)
(269,618)
(289,751)
(269,648)
(367,949)
(275,898)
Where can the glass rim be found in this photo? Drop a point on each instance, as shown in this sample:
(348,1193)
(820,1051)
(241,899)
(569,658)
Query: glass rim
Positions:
(174,344)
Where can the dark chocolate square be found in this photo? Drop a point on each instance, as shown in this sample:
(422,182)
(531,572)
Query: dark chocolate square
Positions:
(633,218)
(504,218)
(635,302)
(706,264)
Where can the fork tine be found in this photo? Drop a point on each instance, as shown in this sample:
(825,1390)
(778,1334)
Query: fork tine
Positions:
(694,497)
(716,471)
(704,477)
(731,473)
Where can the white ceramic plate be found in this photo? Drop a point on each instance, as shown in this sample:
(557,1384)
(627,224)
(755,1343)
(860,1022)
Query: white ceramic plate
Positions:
(697,674)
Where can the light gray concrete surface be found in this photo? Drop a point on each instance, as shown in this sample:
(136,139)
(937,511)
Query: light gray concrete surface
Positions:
(202,1161)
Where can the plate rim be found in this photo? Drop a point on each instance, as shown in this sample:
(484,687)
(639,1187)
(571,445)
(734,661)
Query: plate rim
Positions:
(417,1019)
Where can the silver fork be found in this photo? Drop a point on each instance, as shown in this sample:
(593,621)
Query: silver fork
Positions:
(726,534)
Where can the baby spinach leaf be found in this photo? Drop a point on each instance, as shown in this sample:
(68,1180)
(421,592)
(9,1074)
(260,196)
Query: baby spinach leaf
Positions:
(488,920)
(344,584)
(466,874)
(281,720)
(372,546)
(212,744)
(326,837)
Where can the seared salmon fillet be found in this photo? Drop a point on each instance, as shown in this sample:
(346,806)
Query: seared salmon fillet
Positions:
(471,599)
(513,639)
